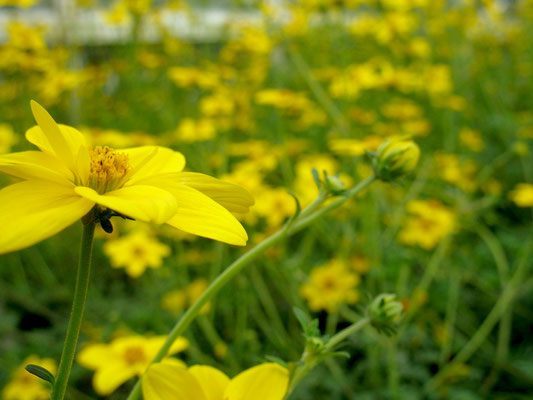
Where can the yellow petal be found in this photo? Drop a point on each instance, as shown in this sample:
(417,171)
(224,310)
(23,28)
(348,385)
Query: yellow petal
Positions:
(155,343)
(170,382)
(146,161)
(212,381)
(93,356)
(109,377)
(35,210)
(233,197)
(143,203)
(199,215)
(56,139)
(266,381)
(35,165)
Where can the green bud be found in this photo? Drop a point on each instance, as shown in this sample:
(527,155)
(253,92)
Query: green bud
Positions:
(395,157)
(384,312)
(333,184)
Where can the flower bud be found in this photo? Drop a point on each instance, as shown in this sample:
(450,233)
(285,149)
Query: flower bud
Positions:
(396,157)
(384,312)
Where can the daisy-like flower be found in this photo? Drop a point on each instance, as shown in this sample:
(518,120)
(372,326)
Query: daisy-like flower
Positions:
(166,381)
(67,179)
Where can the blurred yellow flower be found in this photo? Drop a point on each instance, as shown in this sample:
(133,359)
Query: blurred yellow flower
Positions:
(330,286)
(25,386)
(7,138)
(122,359)
(175,301)
(67,179)
(522,195)
(471,139)
(136,252)
(267,381)
(190,130)
(428,223)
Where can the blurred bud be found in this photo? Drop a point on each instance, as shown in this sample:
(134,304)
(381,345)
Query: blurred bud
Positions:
(396,157)
(384,312)
(333,184)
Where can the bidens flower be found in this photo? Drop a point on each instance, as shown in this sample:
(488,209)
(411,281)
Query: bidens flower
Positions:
(67,179)
(124,358)
(267,381)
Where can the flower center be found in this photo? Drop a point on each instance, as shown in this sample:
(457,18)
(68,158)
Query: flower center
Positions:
(108,168)
(134,355)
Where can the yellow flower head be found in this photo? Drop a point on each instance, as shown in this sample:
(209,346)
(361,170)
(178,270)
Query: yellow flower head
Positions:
(136,252)
(429,222)
(330,286)
(162,381)
(66,179)
(522,195)
(122,359)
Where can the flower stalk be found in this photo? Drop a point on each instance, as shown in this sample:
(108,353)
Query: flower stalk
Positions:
(76,315)
(237,266)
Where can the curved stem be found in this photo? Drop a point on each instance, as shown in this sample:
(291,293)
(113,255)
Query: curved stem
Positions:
(238,265)
(346,332)
(76,315)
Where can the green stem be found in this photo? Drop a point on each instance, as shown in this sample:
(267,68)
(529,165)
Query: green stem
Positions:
(76,315)
(346,332)
(509,293)
(238,265)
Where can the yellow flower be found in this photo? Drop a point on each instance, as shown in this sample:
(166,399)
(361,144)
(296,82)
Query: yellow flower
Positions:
(7,138)
(329,286)
(176,300)
(430,222)
(25,386)
(522,195)
(267,381)
(136,252)
(122,359)
(67,179)
(471,139)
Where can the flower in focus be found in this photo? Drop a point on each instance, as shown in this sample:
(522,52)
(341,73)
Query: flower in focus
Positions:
(122,359)
(67,179)
(25,386)
(429,222)
(330,286)
(267,381)
(136,252)
(522,195)
(396,157)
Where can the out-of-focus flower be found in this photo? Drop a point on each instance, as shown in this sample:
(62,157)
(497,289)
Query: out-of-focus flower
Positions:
(177,300)
(330,286)
(122,359)
(136,252)
(456,172)
(7,138)
(471,139)
(267,381)
(355,147)
(522,195)
(191,130)
(428,223)
(25,386)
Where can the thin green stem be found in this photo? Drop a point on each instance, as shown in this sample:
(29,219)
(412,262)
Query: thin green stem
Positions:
(346,332)
(509,293)
(76,315)
(238,265)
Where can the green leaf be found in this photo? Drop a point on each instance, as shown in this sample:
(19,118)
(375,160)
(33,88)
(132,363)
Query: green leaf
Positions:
(40,372)
(276,360)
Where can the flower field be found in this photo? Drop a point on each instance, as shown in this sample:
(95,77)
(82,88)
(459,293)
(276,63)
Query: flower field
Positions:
(266,200)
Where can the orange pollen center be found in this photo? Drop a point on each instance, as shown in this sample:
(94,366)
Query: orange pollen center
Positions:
(134,355)
(108,168)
